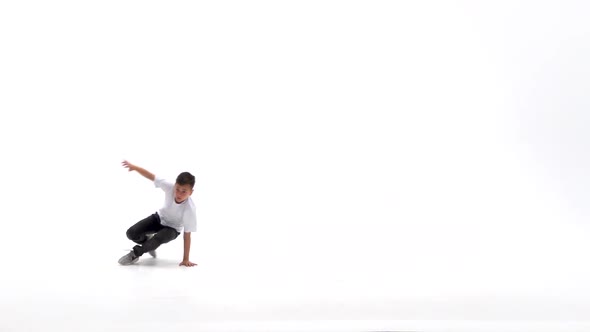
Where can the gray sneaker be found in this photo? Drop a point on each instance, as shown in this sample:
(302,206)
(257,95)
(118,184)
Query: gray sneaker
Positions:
(152,252)
(128,259)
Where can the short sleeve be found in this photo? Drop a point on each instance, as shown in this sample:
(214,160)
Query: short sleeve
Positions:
(163,184)
(190,219)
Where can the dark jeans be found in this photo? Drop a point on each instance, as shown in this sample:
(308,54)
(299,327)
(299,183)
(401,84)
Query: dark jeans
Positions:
(151,225)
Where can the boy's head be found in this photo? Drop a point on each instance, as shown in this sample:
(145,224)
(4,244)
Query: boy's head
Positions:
(183,187)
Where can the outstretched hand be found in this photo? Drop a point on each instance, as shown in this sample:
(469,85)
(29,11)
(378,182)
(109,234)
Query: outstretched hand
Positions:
(128,165)
(187,263)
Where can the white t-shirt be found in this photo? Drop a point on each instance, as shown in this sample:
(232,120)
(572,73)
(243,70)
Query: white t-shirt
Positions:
(178,216)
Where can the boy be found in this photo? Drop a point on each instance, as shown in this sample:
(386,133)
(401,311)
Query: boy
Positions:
(178,214)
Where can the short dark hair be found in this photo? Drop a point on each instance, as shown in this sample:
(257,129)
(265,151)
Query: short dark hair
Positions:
(185,178)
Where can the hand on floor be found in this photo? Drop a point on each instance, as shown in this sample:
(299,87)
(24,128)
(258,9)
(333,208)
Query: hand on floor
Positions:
(187,263)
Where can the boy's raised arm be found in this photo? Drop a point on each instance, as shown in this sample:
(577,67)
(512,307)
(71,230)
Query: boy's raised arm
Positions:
(139,170)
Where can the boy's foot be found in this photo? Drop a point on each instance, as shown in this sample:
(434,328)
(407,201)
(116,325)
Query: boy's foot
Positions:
(128,259)
(152,252)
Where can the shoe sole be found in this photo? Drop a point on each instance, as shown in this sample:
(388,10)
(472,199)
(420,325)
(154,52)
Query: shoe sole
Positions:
(122,261)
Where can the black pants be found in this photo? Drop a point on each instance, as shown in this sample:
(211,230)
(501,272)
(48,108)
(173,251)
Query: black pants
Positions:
(151,225)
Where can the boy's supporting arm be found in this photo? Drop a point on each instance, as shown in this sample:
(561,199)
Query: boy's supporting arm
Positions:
(139,170)
(187,250)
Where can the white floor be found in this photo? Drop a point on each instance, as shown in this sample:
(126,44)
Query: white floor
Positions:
(50,294)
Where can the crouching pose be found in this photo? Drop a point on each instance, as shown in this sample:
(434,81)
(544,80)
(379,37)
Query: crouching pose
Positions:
(177,215)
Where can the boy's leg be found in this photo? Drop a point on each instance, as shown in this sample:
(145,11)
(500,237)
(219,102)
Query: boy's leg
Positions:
(138,232)
(164,235)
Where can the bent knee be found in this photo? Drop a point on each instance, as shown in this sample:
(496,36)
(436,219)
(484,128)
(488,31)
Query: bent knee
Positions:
(131,234)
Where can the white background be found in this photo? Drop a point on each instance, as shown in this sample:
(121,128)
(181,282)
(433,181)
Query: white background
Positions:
(344,151)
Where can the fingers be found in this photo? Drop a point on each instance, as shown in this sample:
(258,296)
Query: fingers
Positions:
(188,264)
(127,164)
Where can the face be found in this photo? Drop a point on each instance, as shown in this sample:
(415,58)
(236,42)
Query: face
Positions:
(181,193)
